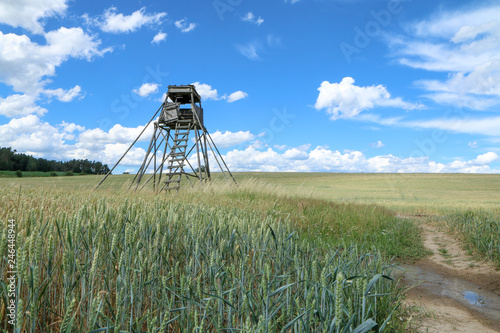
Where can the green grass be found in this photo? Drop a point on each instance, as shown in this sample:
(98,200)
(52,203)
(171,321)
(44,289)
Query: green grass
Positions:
(294,251)
(136,262)
(480,230)
(443,251)
(338,224)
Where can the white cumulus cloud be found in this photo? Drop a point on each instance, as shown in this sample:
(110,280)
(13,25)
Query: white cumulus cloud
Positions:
(71,127)
(250,17)
(322,159)
(31,135)
(116,134)
(377,144)
(64,95)
(115,22)
(147,89)
(20,105)
(230,139)
(237,95)
(29,14)
(295,154)
(346,100)
(184,26)
(486,158)
(109,146)
(24,64)
(207,92)
(159,37)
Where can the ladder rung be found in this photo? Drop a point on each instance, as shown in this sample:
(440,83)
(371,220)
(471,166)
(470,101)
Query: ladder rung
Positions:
(172,181)
(180,146)
(181,139)
(172,188)
(175,166)
(182,153)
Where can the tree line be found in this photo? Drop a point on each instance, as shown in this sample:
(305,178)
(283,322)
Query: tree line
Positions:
(10,160)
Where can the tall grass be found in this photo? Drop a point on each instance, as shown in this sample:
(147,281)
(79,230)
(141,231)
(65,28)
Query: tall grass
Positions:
(89,262)
(480,230)
(333,223)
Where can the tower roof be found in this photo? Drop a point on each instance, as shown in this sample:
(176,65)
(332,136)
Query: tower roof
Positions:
(182,94)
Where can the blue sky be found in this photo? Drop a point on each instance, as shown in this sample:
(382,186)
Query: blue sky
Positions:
(307,85)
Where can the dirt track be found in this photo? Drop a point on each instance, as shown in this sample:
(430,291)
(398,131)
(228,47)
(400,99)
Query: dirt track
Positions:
(444,279)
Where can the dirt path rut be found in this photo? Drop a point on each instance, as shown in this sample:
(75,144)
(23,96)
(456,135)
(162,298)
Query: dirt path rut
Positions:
(456,292)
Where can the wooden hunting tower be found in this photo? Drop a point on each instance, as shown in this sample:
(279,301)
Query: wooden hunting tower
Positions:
(178,133)
(172,111)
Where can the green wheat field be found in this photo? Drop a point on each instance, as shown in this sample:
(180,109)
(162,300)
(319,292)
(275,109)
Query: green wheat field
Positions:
(280,252)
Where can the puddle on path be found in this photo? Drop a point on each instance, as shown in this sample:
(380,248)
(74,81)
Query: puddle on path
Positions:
(468,294)
(474,298)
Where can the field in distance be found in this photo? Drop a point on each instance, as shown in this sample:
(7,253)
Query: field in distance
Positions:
(404,193)
(411,193)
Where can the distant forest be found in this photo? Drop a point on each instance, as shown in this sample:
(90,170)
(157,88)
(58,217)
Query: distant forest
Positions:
(10,160)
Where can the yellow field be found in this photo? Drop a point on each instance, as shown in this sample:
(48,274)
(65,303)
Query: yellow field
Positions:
(413,193)
(404,193)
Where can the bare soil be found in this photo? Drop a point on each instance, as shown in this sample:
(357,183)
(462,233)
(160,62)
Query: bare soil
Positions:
(442,282)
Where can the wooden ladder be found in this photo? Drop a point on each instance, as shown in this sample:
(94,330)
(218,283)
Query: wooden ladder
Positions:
(177,157)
